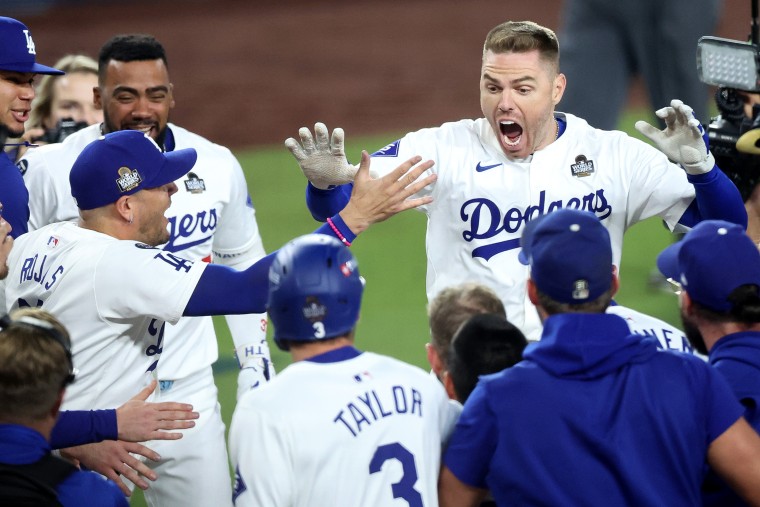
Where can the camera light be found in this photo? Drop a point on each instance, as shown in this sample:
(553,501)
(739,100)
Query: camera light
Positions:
(728,63)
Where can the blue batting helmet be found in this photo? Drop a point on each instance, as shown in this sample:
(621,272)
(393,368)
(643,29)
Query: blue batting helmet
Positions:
(314,290)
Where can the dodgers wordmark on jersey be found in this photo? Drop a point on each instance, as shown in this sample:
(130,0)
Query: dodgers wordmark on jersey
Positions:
(482,200)
(366,430)
(211,216)
(113,296)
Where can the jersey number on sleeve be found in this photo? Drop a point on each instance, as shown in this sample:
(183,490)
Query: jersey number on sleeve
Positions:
(404,488)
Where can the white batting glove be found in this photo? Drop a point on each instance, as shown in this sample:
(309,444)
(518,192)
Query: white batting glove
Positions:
(681,140)
(255,370)
(323,162)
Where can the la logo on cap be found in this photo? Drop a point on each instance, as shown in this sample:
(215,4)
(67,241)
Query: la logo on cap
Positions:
(29,43)
(128,179)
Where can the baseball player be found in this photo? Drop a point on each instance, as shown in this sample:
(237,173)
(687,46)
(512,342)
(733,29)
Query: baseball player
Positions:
(17,70)
(523,160)
(103,278)
(211,218)
(338,426)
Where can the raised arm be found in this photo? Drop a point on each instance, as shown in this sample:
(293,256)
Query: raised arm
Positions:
(684,141)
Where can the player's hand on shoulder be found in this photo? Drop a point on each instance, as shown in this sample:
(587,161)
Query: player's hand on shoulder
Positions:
(321,157)
(683,140)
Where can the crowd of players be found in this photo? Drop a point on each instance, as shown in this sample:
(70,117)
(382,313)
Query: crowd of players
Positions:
(133,222)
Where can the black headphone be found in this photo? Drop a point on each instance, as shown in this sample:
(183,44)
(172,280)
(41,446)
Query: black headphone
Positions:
(48,330)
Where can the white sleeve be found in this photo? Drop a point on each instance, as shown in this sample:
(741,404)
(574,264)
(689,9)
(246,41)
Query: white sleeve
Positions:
(133,280)
(658,187)
(261,458)
(238,244)
(237,241)
(43,194)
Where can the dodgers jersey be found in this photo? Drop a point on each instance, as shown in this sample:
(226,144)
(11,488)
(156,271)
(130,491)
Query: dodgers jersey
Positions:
(211,216)
(357,431)
(113,296)
(668,337)
(482,200)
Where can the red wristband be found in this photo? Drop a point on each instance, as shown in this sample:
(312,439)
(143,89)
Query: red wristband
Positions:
(338,233)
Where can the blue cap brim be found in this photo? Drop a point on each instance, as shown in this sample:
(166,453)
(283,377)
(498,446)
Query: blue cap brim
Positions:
(178,163)
(35,68)
(667,261)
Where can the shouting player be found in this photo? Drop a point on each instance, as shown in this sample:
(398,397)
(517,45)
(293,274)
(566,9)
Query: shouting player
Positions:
(523,160)
(373,423)
(103,278)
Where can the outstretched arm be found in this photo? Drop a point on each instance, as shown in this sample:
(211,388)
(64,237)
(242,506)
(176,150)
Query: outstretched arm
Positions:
(224,291)
(684,141)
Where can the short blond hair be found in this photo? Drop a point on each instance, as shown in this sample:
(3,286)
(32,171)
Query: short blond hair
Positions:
(43,102)
(34,367)
(522,37)
(453,306)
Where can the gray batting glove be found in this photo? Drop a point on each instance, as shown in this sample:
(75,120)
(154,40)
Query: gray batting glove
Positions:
(681,140)
(323,162)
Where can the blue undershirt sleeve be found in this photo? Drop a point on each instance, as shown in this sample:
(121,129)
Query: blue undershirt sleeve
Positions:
(717,198)
(325,203)
(222,290)
(78,427)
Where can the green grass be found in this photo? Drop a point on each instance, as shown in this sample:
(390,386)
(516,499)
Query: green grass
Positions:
(392,260)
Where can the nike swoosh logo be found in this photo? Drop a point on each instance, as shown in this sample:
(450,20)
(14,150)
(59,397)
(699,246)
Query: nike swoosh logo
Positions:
(481,168)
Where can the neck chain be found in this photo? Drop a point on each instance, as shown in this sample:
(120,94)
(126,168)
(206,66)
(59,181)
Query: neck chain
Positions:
(556,129)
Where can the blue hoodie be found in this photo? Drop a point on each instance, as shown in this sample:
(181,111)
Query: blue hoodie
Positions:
(593,415)
(737,357)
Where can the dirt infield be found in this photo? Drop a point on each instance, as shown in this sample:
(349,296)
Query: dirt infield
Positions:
(253,71)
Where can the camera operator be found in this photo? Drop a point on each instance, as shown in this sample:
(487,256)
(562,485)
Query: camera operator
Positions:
(64,104)
(739,119)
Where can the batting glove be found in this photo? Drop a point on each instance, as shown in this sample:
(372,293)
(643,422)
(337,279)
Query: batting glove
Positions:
(323,162)
(255,370)
(682,140)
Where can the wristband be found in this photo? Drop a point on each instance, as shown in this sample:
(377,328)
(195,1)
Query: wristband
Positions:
(338,233)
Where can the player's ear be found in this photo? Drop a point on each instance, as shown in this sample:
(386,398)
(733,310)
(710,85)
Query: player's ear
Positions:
(560,82)
(171,94)
(434,360)
(532,292)
(448,384)
(615,281)
(685,302)
(124,207)
(97,98)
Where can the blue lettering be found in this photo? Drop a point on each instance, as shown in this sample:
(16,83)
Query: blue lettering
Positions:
(339,417)
(399,397)
(358,416)
(405,401)
(483,219)
(181,228)
(54,277)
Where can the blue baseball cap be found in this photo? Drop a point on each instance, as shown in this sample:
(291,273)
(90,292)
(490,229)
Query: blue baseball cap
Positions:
(569,254)
(17,50)
(711,261)
(123,163)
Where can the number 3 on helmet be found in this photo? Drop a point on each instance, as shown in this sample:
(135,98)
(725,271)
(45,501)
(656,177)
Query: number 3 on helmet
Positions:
(315,290)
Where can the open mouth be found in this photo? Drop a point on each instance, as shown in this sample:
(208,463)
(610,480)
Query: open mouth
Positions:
(511,132)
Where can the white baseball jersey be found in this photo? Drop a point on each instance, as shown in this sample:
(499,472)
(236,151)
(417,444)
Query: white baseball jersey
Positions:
(482,200)
(113,296)
(669,337)
(366,431)
(211,213)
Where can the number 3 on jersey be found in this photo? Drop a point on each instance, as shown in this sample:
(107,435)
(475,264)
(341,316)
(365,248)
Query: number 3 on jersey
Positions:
(404,488)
